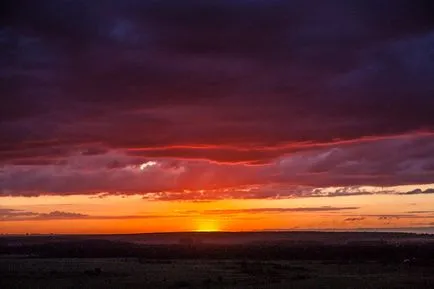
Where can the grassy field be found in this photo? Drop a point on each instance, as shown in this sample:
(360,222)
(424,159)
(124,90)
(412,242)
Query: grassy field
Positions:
(136,273)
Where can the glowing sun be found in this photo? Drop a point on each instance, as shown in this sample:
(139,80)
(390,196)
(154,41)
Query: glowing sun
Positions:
(207,226)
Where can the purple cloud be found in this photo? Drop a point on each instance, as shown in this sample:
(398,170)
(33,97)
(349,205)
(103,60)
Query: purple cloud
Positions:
(221,95)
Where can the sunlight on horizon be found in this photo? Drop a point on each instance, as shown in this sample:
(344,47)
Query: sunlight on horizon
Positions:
(208,225)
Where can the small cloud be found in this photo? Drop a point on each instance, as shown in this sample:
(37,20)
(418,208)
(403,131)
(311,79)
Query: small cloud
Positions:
(421,212)
(391,217)
(61,215)
(346,194)
(418,192)
(355,219)
(13,213)
(146,165)
(20,215)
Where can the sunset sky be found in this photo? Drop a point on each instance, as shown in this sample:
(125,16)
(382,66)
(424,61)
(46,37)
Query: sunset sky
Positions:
(235,115)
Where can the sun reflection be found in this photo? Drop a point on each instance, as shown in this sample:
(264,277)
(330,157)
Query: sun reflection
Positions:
(208,225)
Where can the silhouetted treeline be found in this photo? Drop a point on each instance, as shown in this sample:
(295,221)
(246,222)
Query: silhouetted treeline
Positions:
(353,252)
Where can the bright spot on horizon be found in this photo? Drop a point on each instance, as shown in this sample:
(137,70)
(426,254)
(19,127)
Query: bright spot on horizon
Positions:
(207,226)
(146,165)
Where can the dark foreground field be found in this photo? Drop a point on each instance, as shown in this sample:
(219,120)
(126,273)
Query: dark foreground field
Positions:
(336,261)
(134,273)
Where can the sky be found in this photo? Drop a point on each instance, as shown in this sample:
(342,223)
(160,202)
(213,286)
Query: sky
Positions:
(234,115)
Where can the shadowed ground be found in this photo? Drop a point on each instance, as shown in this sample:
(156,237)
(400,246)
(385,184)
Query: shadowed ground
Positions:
(219,260)
(137,273)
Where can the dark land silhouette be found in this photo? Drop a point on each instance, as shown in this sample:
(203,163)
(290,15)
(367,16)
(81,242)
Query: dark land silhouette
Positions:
(219,260)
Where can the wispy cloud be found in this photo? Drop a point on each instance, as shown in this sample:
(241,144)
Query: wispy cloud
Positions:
(354,219)
(273,210)
(13,213)
(21,215)
(418,192)
(421,212)
(390,216)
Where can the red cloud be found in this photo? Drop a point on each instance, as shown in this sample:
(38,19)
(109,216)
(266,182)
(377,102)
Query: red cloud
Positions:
(294,175)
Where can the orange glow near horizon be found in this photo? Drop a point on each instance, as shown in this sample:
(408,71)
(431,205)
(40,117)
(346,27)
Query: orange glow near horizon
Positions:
(132,214)
(208,225)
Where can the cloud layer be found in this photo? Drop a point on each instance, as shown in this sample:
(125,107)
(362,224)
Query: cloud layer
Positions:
(389,162)
(221,94)
(7,214)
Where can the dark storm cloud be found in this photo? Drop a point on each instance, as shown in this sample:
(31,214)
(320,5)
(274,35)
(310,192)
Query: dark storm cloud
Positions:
(227,81)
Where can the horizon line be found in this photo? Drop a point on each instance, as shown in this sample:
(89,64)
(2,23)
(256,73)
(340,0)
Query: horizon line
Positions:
(400,230)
